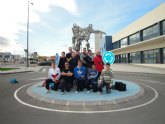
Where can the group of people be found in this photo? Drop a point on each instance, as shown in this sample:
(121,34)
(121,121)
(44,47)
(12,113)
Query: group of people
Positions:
(80,71)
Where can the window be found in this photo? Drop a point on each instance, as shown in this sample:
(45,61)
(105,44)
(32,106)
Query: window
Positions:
(151,56)
(117,59)
(163,55)
(135,57)
(124,42)
(135,38)
(151,32)
(155,30)
(116,45)
(124,58)
(163,28)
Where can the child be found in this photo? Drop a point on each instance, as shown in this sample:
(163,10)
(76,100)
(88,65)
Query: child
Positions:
(105,79)
(92,79)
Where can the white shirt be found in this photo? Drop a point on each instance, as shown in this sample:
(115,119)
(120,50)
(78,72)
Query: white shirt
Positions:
(54,71)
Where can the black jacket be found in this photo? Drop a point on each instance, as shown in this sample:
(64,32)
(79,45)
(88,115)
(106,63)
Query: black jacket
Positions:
(73,63)
(62,63)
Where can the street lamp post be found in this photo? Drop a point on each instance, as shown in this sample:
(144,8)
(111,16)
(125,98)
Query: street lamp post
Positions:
(28,35)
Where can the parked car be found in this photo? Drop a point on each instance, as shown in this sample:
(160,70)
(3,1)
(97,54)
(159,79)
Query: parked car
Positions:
(45,63)
(33,62)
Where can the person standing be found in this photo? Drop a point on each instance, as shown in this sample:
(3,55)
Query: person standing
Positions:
(79,74)
(68,55)
(72,64)
(53,77)
(78,54)
(89,59)
(98,63)
(83,56)
(62,61)
(66,78)
(73,61)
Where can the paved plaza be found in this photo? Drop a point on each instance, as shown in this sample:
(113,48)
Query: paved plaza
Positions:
(142,102)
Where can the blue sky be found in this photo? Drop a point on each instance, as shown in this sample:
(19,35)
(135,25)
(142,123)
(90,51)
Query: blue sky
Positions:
(51,21)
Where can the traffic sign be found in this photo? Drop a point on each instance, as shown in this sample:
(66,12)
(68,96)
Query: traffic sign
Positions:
(108,57)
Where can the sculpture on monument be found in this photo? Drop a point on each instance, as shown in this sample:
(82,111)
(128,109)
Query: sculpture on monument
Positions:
(82,34)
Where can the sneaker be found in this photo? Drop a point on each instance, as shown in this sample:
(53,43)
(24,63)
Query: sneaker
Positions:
(88,91)
(47,92)
(62,93)
(76,91)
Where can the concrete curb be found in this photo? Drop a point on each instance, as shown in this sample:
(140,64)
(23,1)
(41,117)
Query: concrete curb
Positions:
(14,72)
(139,72)
(20,71)
(86,103)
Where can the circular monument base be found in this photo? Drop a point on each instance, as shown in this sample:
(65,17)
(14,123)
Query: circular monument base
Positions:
(134,91)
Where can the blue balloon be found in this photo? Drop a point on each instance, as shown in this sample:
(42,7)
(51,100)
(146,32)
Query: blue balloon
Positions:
(108,57)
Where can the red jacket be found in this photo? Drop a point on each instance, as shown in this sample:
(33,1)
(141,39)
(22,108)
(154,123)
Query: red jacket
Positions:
(98,63)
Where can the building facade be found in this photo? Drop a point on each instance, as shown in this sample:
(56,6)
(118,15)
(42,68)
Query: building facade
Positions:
(106,44)
(98,38)
(143,41)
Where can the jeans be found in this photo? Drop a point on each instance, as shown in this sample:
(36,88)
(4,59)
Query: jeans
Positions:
(107,85)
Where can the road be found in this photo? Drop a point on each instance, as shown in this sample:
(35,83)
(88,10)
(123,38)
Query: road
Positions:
(13,112)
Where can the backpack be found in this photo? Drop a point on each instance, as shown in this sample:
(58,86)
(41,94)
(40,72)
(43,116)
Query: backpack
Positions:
(120,86)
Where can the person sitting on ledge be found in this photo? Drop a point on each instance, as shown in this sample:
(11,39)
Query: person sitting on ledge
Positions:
(66,78)
(105,79)
(53,77)
(79,74)
(92,79)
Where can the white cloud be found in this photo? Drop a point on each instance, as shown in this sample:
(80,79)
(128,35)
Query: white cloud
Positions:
(44,6)
(13,15)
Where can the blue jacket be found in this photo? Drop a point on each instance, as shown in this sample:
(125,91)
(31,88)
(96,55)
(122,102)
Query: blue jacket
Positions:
(78,72)
(93,75)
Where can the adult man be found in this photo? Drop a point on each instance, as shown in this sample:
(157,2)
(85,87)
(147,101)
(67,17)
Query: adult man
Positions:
(53,77)
(62,61)
(79,74)
(73,63)
(89,59)
(98,63)
(83,56)
(68,55)
(66,78)
(78,53)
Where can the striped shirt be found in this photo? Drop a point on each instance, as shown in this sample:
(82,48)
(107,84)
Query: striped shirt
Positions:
(106,76)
